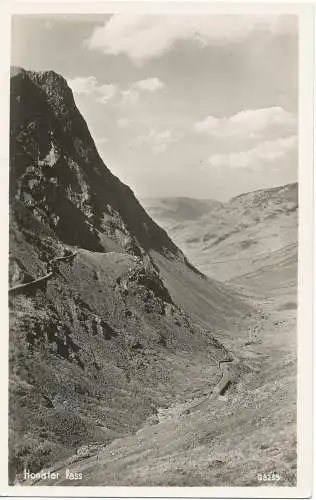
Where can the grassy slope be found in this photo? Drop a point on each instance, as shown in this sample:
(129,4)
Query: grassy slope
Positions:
(208,300)
(253,429)
(102,346)
(233,238)
(227,442)
(178,209)
(95,352)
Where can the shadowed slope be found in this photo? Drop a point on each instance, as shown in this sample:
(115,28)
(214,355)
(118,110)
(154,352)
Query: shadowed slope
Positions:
(112,335)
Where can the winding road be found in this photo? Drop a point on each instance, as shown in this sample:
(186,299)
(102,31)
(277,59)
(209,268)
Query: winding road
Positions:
(225,381)
(31,284)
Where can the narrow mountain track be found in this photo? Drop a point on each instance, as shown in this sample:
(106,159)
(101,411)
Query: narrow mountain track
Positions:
(225,380)
(37,282)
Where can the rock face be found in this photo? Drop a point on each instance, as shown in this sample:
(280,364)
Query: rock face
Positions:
(119,329)
(57,173)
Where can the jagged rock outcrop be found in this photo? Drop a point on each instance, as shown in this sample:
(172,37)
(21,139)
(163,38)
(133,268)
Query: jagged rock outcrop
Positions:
(59,176)
(113,332)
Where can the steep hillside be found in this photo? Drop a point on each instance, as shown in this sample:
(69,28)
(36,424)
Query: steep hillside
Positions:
(176,210)
(57,172)
(102,331)
(236,238)
(247,432)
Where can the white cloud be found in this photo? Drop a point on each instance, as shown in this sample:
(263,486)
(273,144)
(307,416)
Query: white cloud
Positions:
(129,97)
(266,153)
(249,124)
(89,85)
(143,37)
(83,84)
(207,126)
(150,84)
(106,92)
(124,122)
(158,141)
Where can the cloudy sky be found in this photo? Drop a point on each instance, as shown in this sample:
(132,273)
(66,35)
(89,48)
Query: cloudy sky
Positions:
(200,106)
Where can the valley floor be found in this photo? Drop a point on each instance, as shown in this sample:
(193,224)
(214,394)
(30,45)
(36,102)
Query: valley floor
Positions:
(228,440)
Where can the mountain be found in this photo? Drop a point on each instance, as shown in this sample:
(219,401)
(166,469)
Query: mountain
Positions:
(73,192)
(176,210)
(250,240)
(108,319)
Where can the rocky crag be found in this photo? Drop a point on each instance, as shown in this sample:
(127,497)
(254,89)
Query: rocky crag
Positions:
(126,324)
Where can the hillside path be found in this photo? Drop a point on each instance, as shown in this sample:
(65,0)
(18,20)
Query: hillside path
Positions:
(23,286)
